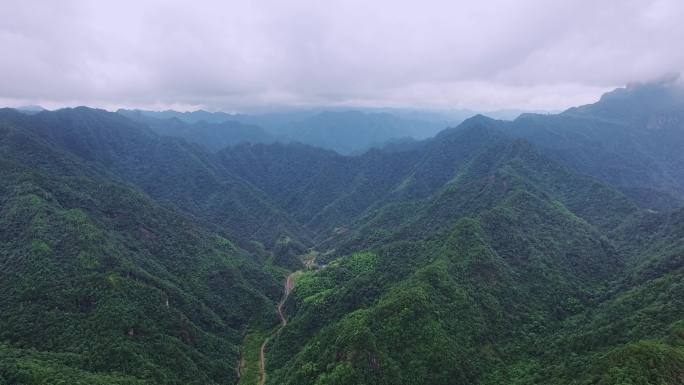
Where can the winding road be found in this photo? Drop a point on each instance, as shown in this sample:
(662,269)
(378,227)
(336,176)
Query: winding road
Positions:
(289,284)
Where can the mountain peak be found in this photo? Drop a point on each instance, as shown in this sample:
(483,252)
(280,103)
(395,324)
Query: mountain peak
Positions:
(636,101)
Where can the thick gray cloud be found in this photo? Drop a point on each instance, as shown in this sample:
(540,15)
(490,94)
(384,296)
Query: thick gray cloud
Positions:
(232,55)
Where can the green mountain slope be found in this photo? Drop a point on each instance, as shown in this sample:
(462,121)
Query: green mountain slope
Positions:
(544,250)
(631,138)
(495,259)
(167,169)
(321,189)
(101,285)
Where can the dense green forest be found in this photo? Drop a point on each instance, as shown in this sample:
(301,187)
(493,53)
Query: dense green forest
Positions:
(544,250)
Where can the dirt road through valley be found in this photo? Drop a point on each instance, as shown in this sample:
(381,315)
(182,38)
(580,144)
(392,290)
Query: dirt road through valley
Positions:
(289,284)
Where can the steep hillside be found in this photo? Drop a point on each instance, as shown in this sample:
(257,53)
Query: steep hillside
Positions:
(632,139)
(168,169)
(321,189)
(635,332)
(449,292)
(99,284)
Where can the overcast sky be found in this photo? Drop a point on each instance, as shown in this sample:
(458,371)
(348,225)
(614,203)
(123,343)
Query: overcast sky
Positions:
(234,55)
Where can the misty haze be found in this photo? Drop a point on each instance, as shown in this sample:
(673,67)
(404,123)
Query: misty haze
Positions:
(342,192)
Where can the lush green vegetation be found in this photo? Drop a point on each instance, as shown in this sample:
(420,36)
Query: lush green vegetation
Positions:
(99,279)
(498,252)
(251,348)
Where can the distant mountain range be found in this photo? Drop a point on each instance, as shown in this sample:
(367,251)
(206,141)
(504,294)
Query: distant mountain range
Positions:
(152,248)
(344,131)
(347,132)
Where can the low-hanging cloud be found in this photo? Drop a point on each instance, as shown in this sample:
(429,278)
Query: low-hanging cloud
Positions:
(233,55)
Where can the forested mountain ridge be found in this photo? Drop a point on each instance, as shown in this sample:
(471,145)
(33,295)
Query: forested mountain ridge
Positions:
(334,190)
(520,252)
(631,138)
(157,164)
(100,284)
